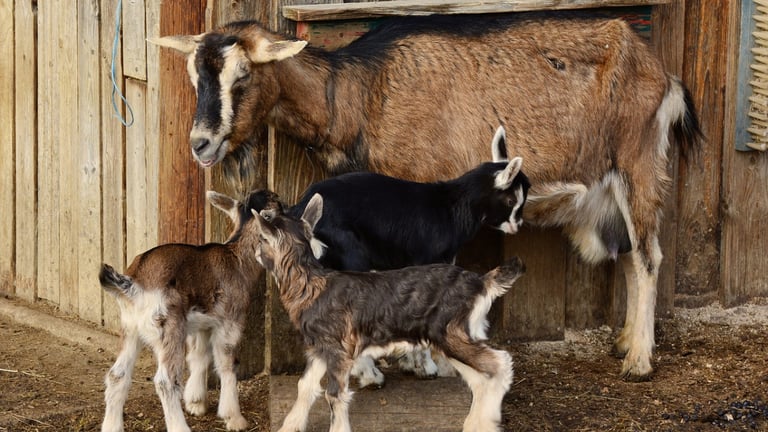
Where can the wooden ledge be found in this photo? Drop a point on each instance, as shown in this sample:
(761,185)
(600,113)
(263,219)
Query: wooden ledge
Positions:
(377,9)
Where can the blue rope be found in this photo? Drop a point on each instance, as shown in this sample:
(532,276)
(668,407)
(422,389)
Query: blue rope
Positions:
(115,88)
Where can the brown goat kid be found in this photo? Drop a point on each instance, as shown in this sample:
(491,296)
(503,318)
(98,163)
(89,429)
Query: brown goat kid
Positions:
(179,292)
(584,102)
(344,315)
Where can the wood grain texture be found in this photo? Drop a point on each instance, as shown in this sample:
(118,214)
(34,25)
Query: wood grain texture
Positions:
(134,40)
(7,149)
(744,262)
(87,166)
(25,98)
(429,7)
(48,154)
(112,163)
(181,181)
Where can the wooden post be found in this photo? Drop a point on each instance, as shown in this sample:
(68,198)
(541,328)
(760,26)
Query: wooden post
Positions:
(181,202)
(7,208)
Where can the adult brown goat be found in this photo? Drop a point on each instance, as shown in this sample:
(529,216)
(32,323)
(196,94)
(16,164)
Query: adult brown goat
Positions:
(584,102)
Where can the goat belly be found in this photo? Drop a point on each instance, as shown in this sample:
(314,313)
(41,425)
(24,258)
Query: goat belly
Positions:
(411,304)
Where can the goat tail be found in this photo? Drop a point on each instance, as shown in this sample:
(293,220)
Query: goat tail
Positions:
(499,280)
(115,282)
(678,112)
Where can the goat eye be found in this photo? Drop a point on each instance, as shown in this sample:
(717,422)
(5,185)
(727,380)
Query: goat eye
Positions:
(510,202)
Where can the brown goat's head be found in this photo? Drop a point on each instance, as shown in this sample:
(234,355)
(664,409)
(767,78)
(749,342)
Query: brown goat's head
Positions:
(236,87)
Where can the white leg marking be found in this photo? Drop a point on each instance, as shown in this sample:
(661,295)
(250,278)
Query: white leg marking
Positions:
(309,390)
(223,340)
(198,359)
(170,398)
(367,373)
(118,382)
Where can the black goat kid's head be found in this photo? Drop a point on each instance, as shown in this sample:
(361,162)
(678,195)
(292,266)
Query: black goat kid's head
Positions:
(504,206)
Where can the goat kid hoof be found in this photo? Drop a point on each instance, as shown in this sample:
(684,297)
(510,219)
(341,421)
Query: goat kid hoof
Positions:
(635,372)
(237,423)
(196,408)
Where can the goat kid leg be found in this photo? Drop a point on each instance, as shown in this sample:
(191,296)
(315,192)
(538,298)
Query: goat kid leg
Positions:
(309,389)
(224,341)
(169,351)
(338,396)
(488,388)
(621,345)
(118,382)
(419,362)
(367,373)
(198,359)
(637,361)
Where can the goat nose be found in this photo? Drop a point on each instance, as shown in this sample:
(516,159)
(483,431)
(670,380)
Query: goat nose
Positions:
(199,144)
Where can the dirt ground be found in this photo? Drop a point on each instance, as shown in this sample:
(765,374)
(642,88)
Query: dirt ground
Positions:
(711,374)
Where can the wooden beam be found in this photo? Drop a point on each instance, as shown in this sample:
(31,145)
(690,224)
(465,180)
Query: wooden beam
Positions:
(182,182)
(338,11)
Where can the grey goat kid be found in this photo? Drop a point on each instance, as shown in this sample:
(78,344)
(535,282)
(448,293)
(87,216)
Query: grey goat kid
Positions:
(344,315)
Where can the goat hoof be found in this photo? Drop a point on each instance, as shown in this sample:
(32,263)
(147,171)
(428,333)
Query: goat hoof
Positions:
(196,408)
(237,423)
(637,371)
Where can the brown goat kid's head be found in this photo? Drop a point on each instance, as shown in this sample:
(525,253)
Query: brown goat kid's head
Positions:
(230,70)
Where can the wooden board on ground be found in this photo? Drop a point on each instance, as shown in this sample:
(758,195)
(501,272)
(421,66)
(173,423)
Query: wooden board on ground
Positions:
(404,404)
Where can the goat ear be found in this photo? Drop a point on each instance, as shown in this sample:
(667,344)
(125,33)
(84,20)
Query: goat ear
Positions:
(266,51)
(313,211)
(183,44)
(224,203)
(262,224)
(505,177)
(499,145)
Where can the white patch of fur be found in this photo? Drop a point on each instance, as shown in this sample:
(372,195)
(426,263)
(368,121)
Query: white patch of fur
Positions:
(367,373)
(387,350)
(318,247)
(672,109)
(309,389)
(498,138)
(505,177)
(512,225)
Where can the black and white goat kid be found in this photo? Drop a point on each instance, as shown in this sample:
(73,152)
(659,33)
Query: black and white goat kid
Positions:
(376,222)
(344,315)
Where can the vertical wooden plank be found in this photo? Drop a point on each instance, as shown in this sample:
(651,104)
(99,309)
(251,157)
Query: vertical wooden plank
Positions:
(48,154)
(698,198)
(7,169)
(152,122)
(66,120)
(181,207)
(290,171)
(136,174)
(218,226)
(88,163)
(743,263)
(134,40)
(25,29)
(112,161)
(534,309)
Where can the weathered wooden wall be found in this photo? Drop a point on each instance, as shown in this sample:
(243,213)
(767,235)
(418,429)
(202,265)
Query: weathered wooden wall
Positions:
(78,188)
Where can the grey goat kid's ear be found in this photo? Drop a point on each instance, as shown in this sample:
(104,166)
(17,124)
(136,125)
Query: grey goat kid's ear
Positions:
(499,145)
(224,203)
(184,44)
(313,211)
(265,51)
(505,177)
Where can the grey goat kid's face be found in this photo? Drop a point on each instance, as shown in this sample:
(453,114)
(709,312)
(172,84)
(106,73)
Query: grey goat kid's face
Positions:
(235,91)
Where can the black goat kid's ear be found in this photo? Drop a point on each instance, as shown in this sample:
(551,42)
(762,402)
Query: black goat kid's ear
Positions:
(499,145)
(505,177)
(313,211)
(224,203)
(184,44)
